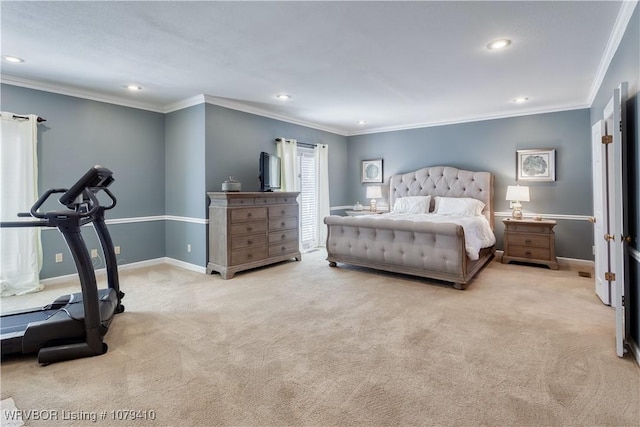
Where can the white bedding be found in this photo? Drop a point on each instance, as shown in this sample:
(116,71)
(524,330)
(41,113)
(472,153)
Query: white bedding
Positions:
(477,231)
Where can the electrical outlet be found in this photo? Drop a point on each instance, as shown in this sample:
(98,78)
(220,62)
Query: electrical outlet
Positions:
(94,253)
(58,257)
(188,247)
(116,249)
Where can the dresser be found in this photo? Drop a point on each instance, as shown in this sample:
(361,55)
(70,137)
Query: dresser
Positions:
(530,241)
(251,229)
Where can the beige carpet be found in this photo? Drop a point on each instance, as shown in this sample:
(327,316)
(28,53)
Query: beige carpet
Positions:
(301,343)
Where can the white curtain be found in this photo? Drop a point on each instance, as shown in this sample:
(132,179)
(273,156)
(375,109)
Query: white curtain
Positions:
(20,248)
(288,152)
(321,156)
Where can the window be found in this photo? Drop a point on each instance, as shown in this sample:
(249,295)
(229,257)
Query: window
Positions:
(308,197)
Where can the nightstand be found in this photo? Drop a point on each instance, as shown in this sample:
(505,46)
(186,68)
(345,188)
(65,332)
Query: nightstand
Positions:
(362,212)
(530,241)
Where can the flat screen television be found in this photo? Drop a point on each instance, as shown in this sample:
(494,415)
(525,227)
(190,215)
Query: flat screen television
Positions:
(269,172)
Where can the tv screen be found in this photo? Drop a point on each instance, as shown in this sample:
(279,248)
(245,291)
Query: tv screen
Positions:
(269,172)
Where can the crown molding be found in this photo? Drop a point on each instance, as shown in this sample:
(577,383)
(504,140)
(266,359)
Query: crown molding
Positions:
(620,26)
(185,103)
(470,119)
(78,93)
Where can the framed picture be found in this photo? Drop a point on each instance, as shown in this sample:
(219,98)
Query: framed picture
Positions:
(536,165)
(372,170)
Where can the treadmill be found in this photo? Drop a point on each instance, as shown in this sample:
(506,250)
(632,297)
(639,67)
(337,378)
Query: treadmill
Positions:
(74,325)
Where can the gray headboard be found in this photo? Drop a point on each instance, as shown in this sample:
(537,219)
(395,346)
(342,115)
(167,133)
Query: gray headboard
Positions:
(445,181)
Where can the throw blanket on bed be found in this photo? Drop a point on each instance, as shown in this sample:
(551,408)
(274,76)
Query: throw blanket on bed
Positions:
(477,231)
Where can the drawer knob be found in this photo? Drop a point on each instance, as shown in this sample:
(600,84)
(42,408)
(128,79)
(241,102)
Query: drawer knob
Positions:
(284,249)
(249,242)
(282,223)
(249,256)
(283,237)
(528,253)
(249,214)
(282,212)
(249,229)
(528,241)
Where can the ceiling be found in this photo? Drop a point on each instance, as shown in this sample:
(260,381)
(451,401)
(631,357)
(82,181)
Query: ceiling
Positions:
(394,64)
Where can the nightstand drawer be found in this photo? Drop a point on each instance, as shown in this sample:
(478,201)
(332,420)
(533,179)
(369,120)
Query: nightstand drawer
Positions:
(520,227)
(530,252)
(529,240)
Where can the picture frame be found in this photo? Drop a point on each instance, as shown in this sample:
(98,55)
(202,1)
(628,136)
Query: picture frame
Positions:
(536,165)
(372,170)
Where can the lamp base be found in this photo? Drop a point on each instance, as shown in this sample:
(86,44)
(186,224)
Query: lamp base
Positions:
(516,214)
(372,205)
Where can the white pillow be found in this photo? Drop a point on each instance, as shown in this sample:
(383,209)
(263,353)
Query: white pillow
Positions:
(458,206)
(412,204)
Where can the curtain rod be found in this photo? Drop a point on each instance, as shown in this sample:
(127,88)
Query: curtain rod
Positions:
(40,119)
(304,144)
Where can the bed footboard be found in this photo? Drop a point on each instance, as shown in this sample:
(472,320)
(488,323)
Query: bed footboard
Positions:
(422,249)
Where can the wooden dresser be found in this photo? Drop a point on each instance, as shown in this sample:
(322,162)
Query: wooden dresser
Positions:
(251,229)
(530,241)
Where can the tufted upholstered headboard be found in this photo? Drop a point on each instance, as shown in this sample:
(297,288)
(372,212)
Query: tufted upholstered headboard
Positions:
(445,181)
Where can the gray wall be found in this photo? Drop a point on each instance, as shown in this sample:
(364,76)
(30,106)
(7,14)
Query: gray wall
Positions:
(491,145)
(625,67)
(80,133)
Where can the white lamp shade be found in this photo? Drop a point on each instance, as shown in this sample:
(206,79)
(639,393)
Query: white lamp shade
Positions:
(374,192)
(517,193)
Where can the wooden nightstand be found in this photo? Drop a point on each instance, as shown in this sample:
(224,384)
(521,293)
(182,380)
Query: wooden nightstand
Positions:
(530,241)
(362,212)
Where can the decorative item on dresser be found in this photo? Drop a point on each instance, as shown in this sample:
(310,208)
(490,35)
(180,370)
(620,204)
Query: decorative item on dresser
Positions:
(251,229)
(531,241)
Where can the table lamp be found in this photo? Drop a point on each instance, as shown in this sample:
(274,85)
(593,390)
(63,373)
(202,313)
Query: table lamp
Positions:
(515,195)
(374,192)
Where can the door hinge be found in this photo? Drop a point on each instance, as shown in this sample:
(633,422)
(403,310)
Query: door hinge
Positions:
(623,300)
(607,139)
(609,276)
(620,125)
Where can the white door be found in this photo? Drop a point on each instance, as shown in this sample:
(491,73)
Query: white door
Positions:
(613,114)
(601,221)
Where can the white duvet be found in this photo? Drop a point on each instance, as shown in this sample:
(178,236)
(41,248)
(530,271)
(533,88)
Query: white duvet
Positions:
(477,231)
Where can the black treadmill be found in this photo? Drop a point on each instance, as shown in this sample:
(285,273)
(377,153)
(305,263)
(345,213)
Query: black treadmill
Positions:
(74,325)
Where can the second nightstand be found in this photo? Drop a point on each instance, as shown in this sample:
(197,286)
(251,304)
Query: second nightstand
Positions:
(530,241)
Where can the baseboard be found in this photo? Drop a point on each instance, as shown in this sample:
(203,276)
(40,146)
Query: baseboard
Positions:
(635,350)
(102,272)
(186,265)
(573,264)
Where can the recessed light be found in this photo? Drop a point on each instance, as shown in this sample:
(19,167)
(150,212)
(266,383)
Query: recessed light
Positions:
(13,59)
(362,122)
(498,44)
(520,100)
(283,97)
(134,88)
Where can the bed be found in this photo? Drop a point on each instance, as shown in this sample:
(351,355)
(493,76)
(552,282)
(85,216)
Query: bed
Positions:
(410,241)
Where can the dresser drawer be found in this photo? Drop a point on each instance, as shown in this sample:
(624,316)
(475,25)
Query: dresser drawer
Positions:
(243,256)
(248,228)
(284,248)
(287,200)
(529,240)
(260,201)
(282,211)
(283,224)
(242,201)
(529,252)
(248,241)
(248,214)
(528,228)
(283,236)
